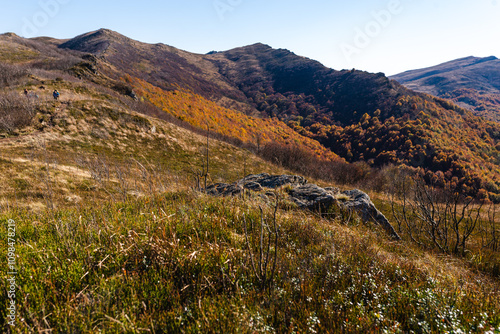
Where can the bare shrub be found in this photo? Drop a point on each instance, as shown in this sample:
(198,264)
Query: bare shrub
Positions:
(61,63)
(16,111)
(289,155)
(53,57)
(11,74)
(303,161)
(53,75)
(441,218)
(380,179)
(131,175)
(490,231)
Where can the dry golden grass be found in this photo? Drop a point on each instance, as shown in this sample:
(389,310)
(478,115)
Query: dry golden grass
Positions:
(113,238)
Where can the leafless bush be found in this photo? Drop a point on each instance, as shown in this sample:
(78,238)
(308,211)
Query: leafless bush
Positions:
(101,172)
(46,49)
(53,75)
(61,63)
(53,57)
(490,231)
(122,178)
(203,174)
(97,166)
(438,217)
(16,111)
(44,178)
(380,179)
(308,163)
(288,155)
(122,174)
(400,190)
(153,176)
(11,74)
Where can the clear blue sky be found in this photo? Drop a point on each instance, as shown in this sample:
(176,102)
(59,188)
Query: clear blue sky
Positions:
(387,36)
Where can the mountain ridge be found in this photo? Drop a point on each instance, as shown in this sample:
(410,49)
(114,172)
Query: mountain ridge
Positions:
(469,61)
(471,82)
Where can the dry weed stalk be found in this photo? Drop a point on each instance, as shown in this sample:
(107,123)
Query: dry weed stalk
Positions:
(263,273)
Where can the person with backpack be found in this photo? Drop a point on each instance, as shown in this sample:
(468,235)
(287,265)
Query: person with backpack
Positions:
(56,95)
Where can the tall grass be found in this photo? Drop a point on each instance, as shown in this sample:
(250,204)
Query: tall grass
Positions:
(179,263)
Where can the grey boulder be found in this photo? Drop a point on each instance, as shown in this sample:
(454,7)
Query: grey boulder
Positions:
(309,196)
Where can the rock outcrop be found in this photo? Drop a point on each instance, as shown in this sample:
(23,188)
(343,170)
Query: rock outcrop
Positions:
(309,196)
(256,183)
(362,204)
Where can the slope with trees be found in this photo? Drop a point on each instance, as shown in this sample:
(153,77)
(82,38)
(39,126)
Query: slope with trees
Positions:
(360,116)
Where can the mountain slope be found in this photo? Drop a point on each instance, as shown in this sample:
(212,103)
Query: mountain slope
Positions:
(163,66)
(472,83)
(235,75)
(278,82)
(94,143)
(332,107)
(366,117)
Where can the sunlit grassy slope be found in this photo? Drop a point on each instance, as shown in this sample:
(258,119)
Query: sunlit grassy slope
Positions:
(112,238)
(179,262)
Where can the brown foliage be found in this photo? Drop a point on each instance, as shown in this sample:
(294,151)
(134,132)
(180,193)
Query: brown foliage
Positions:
(11,74)
(16,111)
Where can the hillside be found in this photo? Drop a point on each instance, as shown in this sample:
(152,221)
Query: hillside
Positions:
(472,83)
(112,237)
(161,65)
(366,117)
(114,232)
(316,102)
(280,83)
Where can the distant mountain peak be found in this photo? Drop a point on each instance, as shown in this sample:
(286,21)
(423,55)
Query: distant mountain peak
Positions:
(253,48)
(256,47)
(99,32)
(107,31)
(490,58)
(478,58)
(475,60)
(96,42)
(9,34)
(471,82)
(260,45)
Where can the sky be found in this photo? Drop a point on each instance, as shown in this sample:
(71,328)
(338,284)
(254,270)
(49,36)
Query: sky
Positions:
(389,36)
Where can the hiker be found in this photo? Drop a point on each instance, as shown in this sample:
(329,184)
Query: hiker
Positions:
(56,95)
(25,92)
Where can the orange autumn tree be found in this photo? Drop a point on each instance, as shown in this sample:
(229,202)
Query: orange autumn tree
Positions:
(200,112)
